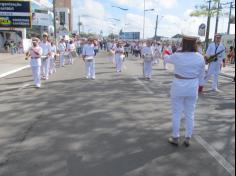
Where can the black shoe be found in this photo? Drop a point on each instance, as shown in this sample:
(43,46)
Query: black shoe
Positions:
(187,142)
(174,141)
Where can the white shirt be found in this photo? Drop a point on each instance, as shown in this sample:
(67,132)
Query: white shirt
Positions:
(212,50)
(46,48)
(148,53)
(62,47)
(36,62)
(88,50)
(188,65)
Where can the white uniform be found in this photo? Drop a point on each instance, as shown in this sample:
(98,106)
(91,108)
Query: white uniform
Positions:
(148,54)
(88,53)
(119,58)
(71,48)
(215,67)
(36,63)
(62,50)
(184,92)
(52,59)
(45,58)
(157,54)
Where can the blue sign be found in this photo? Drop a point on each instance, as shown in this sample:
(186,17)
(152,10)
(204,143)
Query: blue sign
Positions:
(15,14)
(130,35)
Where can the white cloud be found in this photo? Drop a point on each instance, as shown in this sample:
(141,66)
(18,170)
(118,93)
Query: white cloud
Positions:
(167,4)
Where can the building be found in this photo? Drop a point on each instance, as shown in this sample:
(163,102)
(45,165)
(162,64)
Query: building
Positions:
(64,15)
(42,21)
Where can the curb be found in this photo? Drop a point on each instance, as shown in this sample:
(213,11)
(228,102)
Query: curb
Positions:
(13,71)
(226,75)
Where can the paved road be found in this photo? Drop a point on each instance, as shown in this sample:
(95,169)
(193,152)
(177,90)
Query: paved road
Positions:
(117,125)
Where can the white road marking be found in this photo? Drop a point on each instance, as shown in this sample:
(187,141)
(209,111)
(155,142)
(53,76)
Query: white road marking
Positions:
(24,86)
(149,91)
(13,71)
(219,158)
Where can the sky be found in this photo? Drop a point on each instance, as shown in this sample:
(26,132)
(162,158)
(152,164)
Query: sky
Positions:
(174,17)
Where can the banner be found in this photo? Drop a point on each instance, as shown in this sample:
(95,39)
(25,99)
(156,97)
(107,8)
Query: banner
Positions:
(15,14)
(202,30)
(42,19)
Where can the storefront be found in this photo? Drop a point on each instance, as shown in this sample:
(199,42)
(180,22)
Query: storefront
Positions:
(42,21)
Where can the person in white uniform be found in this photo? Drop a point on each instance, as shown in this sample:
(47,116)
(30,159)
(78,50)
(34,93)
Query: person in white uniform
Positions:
(46,46)
(215,66)
(53,58)
(35,54)
(148,56)
(189,71)
(71,50)
(61,51)
(157,53)
(119,56)
(88,57)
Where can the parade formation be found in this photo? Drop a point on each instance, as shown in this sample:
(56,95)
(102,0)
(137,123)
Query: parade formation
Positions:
(187,58)
(89,91)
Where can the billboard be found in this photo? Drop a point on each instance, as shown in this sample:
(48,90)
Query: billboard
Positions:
(130,35)
(42,19)
(15,14)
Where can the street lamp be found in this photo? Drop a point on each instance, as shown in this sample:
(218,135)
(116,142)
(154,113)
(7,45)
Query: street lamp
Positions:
(124,9)
(144,17)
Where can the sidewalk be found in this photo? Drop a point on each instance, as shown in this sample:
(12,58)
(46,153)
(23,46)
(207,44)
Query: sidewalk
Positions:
(12,63)
(229,71)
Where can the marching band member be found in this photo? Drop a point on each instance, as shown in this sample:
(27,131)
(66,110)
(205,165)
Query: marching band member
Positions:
(166,51)
(71,51)
(157,53)
(35,54)
(216,49)
(88,57)
(46,46)
(53,58)
(119,56)
(189,71)
(61,51)
(148,55)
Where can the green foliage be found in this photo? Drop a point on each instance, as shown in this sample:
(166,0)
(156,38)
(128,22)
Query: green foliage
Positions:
(202,9)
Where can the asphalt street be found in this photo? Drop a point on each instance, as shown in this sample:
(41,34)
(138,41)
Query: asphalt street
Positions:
(116,125)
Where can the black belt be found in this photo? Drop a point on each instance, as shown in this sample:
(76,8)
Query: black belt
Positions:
(181,77)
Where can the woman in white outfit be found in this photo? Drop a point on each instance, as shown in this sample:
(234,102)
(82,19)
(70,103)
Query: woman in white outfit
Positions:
(88,57)
(189,72)
(119,56)
(61,51)
(71,50)
(35,53)
(53,58)
(148,56)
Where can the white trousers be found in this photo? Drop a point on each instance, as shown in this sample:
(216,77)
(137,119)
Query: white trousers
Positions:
(147,69)
(214,70)
(119,63)
(180,106)
(36,71)
(71,59)
(90,69)
(62,60)
(52,66)
(46,67)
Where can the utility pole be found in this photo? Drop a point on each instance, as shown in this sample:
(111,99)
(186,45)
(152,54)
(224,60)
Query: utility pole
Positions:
(208,24)
(144,19)
(79,24)
(156,27)
(217,17)
(54,21)
(230,14)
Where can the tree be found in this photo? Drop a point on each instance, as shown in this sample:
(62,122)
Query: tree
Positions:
(203,9)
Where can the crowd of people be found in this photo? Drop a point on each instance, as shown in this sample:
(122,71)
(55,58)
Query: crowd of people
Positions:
(188,59)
